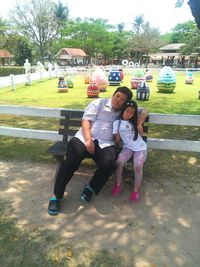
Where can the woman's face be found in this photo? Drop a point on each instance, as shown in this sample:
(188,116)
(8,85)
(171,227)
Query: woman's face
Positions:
(128,113)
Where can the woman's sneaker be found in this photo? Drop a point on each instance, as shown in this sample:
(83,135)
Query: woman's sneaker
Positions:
(135,196)
(54,206)
(116,190)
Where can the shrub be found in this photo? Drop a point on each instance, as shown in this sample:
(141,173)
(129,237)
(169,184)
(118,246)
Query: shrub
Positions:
(6,71)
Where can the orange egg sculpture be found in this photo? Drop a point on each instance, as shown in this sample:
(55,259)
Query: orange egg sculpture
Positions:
(87,79)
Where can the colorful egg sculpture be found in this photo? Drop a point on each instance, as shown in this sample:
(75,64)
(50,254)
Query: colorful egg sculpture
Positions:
(121,74)
(166,82)
(189,78)
(114,77)
(143,92)
(137,78)
(100,78)
(69,82)
(149,76)
(62,85)
(92,90)
(87,79)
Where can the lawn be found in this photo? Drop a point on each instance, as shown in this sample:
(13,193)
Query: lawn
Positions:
(184,100)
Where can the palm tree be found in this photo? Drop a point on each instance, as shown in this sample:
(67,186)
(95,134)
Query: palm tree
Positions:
(61,14)
(138,22)
(120,26)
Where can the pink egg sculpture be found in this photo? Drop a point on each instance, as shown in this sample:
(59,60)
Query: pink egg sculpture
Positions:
(100,78)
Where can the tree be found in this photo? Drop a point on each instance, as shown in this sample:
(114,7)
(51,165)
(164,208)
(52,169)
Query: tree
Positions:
(147,41)
(36,20)
(92,35)
(138,22)
(3,33)
(61,13)
(120,26)
(195,9)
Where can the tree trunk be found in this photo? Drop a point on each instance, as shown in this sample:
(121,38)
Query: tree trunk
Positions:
(195,9)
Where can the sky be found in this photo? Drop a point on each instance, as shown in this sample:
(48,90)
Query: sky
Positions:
(160,14)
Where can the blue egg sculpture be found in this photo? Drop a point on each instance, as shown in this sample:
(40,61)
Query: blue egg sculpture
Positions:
(143,91)
(114,77)
(166,82)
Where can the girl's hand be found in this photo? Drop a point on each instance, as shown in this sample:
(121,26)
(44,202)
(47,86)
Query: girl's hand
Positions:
(140,129)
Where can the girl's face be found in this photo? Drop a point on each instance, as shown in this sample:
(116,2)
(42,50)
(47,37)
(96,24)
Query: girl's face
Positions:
(128,113)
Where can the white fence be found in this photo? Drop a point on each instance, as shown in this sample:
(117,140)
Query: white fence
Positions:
(154,143)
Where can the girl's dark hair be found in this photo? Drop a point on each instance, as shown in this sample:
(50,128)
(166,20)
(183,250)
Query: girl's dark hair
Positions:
(124,90)
(134,119)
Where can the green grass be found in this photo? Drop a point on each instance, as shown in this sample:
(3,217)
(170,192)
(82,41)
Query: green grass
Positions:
(184,100)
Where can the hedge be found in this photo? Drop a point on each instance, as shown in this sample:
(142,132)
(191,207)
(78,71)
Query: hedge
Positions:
(6,71)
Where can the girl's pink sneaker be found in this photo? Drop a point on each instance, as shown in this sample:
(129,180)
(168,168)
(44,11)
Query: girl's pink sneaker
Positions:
(135,196)
(116,190)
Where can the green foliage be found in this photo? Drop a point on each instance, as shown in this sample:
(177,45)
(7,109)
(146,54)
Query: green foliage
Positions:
(146,41)
(92,35)
(36,20)
(6,71)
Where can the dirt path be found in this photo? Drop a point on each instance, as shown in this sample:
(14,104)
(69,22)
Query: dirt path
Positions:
(161,230)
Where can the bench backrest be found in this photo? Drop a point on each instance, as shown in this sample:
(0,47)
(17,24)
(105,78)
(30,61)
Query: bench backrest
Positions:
(71,122)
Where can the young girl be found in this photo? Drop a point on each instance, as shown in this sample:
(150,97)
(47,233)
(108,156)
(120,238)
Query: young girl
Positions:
(127,129)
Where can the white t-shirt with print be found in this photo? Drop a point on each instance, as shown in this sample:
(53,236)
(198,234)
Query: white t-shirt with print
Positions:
(126,132)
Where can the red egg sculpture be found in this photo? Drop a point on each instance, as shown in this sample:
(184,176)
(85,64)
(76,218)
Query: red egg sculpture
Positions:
(92,90)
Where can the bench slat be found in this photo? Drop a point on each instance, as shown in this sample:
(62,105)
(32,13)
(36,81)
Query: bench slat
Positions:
(59,148)
(67,132)
(70,123)
(72,113)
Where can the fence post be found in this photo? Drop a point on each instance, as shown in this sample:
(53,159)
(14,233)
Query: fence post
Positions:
(12,79)
(28,79)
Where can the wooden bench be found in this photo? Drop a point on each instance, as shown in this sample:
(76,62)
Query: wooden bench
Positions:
(69,125)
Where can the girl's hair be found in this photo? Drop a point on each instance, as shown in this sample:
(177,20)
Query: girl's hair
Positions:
(134,119)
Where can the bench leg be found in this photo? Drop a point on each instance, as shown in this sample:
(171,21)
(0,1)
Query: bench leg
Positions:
(59,160)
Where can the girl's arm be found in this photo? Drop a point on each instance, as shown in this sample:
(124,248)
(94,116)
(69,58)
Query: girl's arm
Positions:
(141,118)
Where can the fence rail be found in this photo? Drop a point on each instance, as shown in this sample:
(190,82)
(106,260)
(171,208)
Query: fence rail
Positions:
(154,118)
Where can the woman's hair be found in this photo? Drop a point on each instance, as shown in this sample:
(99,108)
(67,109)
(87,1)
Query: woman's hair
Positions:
(134,119)
(124,90)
